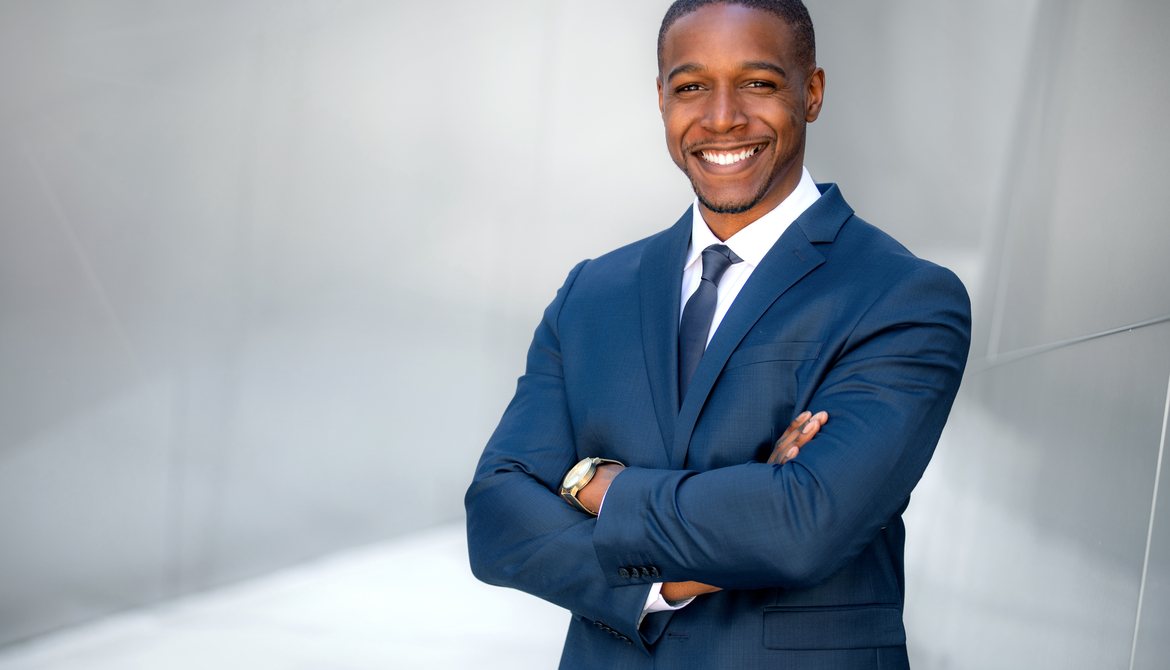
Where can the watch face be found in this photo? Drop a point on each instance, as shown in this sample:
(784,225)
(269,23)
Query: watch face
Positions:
(577,473)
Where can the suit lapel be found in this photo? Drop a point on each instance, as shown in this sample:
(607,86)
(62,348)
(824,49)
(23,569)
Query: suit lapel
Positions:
(790,259)
(660,281)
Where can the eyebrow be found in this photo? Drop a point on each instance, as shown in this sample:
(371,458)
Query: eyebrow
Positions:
(691,68)
(764,65)
(685,68)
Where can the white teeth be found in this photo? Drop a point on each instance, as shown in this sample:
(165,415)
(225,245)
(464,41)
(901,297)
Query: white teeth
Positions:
(728,159)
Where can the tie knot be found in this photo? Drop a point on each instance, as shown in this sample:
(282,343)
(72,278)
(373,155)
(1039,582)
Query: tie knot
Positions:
(716,259)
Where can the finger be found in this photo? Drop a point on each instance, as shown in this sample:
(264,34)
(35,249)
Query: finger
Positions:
(820,419)
(793,432)
(800,419)
(809,430)
(782,456)
(782,453)
(794,427)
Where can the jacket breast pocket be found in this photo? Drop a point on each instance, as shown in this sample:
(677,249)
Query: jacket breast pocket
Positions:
(754,397)
(774,351)
(852,627)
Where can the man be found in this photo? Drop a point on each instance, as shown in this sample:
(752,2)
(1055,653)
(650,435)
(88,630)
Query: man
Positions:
(663,374)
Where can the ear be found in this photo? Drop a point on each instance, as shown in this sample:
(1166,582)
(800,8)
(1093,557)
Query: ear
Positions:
(658,83)
(814,95)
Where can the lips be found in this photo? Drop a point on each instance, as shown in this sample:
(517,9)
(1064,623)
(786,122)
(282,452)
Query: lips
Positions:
(729,157)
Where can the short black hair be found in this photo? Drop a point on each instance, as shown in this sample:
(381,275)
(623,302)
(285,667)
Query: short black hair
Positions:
(792,12)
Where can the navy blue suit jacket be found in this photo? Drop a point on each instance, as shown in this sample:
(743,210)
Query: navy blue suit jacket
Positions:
(837,317)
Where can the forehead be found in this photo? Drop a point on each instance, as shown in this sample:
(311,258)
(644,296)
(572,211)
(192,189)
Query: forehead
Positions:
(727,33)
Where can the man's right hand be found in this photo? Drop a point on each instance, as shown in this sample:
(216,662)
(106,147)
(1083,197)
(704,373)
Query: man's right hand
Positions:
(799,432)
(673,592)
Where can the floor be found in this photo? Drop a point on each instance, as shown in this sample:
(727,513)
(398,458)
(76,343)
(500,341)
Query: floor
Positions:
(348,611)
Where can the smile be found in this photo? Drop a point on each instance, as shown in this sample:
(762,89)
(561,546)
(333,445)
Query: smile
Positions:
(729,157)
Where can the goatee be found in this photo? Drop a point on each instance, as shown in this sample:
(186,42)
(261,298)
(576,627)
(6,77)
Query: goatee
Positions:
(733,207)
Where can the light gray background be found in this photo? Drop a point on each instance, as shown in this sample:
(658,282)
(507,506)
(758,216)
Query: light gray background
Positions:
(268,271)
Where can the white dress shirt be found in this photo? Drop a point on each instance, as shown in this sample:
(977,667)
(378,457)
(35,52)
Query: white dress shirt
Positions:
(750,244)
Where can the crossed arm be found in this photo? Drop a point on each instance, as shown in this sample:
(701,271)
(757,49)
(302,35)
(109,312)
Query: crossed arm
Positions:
(799,432)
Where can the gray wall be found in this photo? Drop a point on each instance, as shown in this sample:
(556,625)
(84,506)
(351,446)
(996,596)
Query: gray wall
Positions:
(1039,537)
(268,271)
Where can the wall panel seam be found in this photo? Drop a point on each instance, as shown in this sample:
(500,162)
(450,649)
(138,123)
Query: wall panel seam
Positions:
(1018,354)
(1150,530)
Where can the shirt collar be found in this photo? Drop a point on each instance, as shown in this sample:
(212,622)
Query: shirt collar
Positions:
(753,242)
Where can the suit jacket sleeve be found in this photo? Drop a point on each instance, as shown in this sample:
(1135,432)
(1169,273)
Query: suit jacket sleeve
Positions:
(521,534)
(756,525)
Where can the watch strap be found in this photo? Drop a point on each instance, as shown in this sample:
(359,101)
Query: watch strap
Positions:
(570,494)
(572,499)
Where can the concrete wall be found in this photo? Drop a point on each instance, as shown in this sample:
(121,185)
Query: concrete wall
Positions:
(268,271)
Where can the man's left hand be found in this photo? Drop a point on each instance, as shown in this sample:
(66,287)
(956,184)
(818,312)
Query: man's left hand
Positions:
(800,431)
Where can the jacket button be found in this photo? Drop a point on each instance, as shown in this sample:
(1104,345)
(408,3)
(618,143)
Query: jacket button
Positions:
(598,624)
(645,571)
(624,573)
(654,571)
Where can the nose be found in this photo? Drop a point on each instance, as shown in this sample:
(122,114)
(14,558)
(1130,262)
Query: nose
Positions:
(724,112)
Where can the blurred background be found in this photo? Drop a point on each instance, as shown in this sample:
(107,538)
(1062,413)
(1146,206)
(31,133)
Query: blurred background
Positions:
(268,272)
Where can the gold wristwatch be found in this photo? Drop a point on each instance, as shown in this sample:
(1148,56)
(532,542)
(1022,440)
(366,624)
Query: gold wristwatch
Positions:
(580,475)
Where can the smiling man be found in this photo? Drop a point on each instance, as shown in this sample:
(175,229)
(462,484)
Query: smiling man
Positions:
(660,471)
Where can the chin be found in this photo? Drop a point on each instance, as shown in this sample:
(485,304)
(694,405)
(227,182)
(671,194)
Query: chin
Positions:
(725,207)
(729,198)
(729,203)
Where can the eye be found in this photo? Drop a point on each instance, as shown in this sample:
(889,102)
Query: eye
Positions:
(687,88)
(765,85)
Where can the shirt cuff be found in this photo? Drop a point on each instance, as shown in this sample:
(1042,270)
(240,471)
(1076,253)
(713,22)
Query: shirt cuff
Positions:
(656,603)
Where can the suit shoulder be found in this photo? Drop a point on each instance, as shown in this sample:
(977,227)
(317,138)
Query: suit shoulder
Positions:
(860,236)
(625,256)
(617,269)
(875,254)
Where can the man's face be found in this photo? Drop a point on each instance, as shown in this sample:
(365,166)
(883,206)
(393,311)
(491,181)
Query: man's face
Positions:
(735,101)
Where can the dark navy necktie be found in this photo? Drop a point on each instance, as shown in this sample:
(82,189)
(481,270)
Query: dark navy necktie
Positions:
(699,312)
